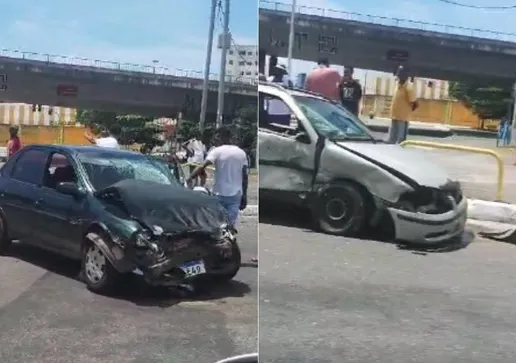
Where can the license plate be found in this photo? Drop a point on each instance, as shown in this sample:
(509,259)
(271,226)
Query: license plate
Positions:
(193,268)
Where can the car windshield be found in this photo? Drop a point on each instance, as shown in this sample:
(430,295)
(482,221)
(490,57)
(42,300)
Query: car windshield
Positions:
(332,120)
(107,168)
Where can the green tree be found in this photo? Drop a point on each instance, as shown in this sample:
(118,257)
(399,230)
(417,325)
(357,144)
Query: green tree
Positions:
(487,102)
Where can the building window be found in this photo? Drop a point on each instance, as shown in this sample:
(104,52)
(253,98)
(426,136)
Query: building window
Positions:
(241,63)
(230,52)
(249,53)
(242,52)
(249,63)
(230,61)
(248,73)
(242,73)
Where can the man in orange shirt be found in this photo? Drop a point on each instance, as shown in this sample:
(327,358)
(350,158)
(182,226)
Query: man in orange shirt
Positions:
(403,104)
(324,80)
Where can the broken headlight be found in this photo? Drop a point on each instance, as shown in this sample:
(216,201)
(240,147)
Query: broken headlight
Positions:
(144,239)
(425,200)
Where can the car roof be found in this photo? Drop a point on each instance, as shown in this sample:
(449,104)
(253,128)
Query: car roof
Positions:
(80,149)
(269,86)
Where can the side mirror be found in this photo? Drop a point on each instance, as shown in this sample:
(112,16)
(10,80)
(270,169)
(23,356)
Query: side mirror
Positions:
(302,137)
(69,188)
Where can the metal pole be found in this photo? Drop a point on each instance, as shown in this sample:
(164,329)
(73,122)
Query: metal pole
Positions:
(204,100)
(222,80)
(291,37)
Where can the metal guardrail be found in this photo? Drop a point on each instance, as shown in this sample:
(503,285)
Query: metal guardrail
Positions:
(389,21)
(474,150)
(120,66)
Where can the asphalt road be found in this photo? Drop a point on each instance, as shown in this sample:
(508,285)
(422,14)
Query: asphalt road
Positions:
(47,316)
(335,299)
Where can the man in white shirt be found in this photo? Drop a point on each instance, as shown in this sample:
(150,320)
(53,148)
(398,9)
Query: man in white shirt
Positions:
(106,139)
(231,177)
(196,151)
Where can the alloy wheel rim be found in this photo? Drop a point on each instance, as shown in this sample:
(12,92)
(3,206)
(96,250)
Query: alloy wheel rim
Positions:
(95,265)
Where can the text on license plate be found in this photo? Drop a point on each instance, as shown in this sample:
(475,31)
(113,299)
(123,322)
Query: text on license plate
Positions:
(193,268)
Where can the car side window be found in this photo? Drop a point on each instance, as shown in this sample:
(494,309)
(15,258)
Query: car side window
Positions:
(7,168)
(30,166)
(59,170)
(276,115)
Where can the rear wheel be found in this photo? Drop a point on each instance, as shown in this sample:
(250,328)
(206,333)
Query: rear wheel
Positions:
(98,273)
(5,242)
(341,210)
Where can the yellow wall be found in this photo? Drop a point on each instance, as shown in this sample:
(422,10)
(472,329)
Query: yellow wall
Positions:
(430,110)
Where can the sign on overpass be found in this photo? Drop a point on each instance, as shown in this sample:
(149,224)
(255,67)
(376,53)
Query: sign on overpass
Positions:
(381,43)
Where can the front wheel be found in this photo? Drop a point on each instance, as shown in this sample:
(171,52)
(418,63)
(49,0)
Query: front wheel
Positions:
(340,210)
(236,261)
(98,273)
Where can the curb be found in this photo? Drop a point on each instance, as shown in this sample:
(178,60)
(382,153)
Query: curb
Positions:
(250,211)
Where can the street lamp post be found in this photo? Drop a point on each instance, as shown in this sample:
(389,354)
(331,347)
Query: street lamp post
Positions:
(155,62)
(226,39)
(204,100)
(291,37)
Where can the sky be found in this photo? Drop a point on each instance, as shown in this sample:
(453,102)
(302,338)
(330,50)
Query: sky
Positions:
(431,11)
(173,32)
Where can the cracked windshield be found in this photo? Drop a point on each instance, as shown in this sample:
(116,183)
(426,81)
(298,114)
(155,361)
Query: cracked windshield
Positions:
(387,166)
(129,182)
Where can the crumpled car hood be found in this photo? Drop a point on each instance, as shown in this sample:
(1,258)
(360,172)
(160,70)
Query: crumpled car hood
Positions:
(406,161)
(172,208)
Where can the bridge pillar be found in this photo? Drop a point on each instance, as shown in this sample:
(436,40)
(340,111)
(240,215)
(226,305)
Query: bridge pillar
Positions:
(513,121)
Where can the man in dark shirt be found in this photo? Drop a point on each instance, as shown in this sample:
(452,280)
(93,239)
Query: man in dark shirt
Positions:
(350,91)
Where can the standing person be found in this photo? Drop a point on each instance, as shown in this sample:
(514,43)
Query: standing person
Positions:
(350,91)
(14,144)
(107,139)
(196,151)
(231,179)
(324,80)
(403,104)
(281,76)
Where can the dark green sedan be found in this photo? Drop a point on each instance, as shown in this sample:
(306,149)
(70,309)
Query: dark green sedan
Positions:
(119,212)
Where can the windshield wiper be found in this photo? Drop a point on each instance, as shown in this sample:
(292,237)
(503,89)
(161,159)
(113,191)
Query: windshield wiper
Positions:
(339,136)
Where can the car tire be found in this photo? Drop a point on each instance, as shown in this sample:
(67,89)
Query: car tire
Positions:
(236,258)
(341,210)
(5,242)
(97,272)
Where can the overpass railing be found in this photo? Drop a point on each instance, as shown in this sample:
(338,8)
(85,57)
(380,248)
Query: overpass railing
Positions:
(120,66)
(390,21)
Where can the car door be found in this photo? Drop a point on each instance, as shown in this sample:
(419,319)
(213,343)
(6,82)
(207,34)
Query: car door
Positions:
(60,215)
(286,154)
(20,193)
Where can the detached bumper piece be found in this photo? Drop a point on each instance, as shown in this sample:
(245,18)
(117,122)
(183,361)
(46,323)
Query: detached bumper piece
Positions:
(185,261)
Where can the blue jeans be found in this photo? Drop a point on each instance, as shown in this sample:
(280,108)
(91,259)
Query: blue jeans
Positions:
(231,205)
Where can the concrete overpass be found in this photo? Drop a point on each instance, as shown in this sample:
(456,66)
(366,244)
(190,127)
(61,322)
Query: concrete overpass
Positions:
(378,43)
(129,88)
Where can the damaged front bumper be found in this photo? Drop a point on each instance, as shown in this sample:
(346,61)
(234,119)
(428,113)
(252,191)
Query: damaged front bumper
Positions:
(424,228)
(187,260)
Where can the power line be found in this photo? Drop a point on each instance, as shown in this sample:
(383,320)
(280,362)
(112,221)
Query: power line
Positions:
(480,7)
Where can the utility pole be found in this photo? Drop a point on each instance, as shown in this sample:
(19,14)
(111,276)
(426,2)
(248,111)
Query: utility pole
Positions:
(291,38)
(204,100)
(226,41)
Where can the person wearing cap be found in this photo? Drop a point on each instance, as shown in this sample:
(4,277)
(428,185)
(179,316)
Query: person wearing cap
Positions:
(350,91)
(403,104)
(324,80)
